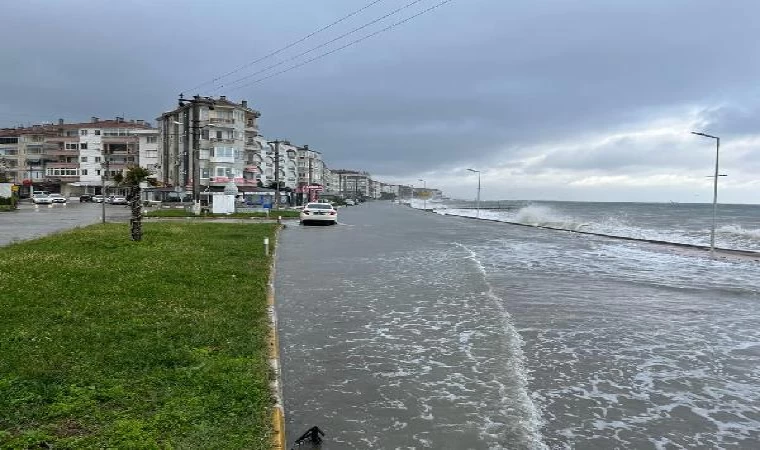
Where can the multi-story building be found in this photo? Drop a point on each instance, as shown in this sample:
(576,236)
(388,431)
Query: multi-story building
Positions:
(213,140)
(73,158)
(19,164)
(311,167)
(148,150)
(289,165)
(331,182)
(353,183)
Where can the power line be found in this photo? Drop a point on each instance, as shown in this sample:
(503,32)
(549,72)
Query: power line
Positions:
(437,5)
(372,22)
(292,44)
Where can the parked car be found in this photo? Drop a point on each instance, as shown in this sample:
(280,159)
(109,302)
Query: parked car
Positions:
(57,198)
(319,212)
(116,200)
(97,198)
(349,202)
(42,199)
(85,198)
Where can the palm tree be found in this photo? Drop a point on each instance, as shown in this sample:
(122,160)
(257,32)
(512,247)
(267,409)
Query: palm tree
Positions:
(135,175)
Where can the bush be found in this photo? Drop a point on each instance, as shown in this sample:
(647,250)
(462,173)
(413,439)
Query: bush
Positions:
(11,202)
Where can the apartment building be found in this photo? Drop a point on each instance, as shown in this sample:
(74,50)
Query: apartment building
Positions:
(22,156)
(353,183)
(207,142)
(73,158)
(331,182)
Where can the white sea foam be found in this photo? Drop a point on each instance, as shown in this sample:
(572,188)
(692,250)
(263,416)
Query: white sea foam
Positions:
(532,422)
(621,225)
(740,231)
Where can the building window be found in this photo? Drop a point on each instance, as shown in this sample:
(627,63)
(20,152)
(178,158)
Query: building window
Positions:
(62,172)
(97,160)
(152,154)
(97,132)
(97,172)
(204,173)
(83,132)
(84,171)
(223,152)
(83,159)
(83,146)
(225,172)
(152,139)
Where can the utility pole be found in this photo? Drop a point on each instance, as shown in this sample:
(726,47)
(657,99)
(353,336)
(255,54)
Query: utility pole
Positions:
(308,190)
(276,172)
(196,156)
(103,182)
(196,103)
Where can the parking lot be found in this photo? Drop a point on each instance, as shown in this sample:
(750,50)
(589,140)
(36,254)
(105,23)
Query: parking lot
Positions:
(33,221)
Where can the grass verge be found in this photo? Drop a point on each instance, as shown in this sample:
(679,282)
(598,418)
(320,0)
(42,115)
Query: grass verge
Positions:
(111,343)
(182,213)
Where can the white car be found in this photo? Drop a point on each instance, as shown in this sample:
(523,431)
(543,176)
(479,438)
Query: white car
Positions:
(42,199)
(116,200)
(319,212)
(57,198)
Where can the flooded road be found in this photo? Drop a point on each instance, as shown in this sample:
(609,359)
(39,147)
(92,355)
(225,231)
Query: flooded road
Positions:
(404,329)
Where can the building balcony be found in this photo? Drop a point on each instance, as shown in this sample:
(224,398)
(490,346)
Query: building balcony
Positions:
(119,139)
(62,138)
(62,165)
(222,141)
(122,152)
(218,120)
(222,159)
(61,152)
(60,178)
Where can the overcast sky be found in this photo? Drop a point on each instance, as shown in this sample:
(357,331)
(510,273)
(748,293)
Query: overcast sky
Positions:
(551,99)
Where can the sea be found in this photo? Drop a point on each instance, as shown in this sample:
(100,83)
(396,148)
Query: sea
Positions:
(404,328)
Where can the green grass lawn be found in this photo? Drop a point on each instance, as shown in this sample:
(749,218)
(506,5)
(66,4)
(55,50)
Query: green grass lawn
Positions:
(109,343)
(285,213)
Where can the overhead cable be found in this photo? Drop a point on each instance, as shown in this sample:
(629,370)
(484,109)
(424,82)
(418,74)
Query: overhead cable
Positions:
(282,49)
(383,30)
(325,44)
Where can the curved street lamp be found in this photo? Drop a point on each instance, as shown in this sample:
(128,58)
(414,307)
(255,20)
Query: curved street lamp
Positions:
(424,199)
(715,190)
(478,172)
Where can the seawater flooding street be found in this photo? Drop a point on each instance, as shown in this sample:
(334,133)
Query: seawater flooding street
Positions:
(31,222)
(400,329)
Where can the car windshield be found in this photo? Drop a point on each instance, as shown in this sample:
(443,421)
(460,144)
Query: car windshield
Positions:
(318,206)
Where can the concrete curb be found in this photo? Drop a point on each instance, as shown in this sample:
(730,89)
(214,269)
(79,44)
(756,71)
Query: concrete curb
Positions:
(278,412)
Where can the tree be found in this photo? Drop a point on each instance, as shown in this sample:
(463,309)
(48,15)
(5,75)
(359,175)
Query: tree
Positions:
(135,175)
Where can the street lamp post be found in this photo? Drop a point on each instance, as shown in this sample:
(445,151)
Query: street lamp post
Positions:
(715,190)
(424,199)
(478,172)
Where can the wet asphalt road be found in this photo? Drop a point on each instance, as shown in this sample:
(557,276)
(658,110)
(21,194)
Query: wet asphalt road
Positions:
(378,318)
(29,222)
